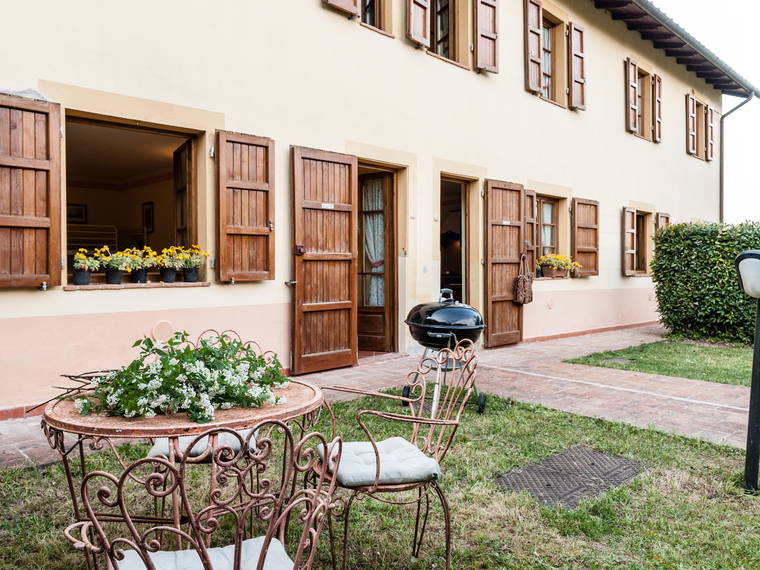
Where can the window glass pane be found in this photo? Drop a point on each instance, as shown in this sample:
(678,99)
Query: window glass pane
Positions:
(374,290)
(547,212)
(547,87)
(369,15)
(547,236)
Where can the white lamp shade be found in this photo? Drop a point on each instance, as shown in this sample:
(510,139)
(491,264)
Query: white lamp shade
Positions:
(749,273)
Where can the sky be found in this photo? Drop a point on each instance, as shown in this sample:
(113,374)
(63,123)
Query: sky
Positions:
(728,29)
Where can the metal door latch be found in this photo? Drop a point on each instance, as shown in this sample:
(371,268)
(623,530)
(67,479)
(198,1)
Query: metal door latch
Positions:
(290,283)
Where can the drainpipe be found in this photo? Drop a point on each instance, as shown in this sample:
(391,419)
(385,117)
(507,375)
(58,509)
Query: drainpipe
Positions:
(722,149)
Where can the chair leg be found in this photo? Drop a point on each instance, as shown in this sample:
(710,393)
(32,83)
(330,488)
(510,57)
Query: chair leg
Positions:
(446,521)
(419,530)
(346,514)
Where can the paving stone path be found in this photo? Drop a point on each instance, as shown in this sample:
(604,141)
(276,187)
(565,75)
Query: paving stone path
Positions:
(530,372)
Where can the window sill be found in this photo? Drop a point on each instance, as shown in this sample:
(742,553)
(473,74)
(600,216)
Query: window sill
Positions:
(642,137)
(640,274)
(447,60)
(552,101)
(149,285)
(380,31)
(549,278)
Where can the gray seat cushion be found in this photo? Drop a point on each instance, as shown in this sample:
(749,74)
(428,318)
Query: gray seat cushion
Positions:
(225,439)
(221,558)
(400,462)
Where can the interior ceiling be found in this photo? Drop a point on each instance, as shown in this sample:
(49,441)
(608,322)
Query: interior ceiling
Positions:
(116,157)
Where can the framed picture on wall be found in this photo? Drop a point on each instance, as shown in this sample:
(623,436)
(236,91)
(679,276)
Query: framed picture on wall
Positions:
(148,217)
(76,213)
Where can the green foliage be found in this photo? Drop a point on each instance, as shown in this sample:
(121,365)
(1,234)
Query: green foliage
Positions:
(697,289)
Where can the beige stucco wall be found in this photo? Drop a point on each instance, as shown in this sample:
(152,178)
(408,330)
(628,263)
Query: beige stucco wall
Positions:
(304,75)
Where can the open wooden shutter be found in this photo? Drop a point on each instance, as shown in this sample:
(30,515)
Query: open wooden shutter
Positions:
(530,228)
(182,183)
(486,37)
(657,108)
(245,166)
(710,134)
(350,7)
(632,95)
(629,242)
(504,231)
(418,21)
(30,185)
(577,62)
(534,18)
(661,220)
(325,260)
(691,124)
(586,236)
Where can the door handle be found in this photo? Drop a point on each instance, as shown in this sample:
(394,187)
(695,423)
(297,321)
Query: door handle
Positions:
(299,250)
(290,283)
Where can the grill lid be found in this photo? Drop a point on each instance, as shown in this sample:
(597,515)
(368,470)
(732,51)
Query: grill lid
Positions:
(447,314)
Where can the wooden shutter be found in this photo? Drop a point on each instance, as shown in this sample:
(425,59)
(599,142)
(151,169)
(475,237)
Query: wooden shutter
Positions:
(577,62)
(657,108)
(182,192)
(534,18)
(586,236)
(350,7)
(30,200)
(325,260)
(629,242)
(486,38)
(632,95)
(691,124)
(418,21)
(245,166)
(661,220)
(504,231)
(530,228)
(710,134)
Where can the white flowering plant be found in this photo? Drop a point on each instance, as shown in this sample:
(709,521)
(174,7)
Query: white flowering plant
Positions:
(221,372)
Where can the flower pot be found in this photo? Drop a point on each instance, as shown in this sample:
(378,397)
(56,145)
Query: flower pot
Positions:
(113,276)
(190,274)
(82,277)
(553,273)
(168,275)
(140,275)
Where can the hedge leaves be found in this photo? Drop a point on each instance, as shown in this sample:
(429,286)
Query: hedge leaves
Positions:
(695,280)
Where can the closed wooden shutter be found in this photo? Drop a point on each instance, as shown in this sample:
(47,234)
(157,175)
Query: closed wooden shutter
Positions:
(710,134)
(30,200)
(691,124)
(530,228)
(504,241)
(657,108)
(486,40)
(586,236)
(245,166)
(534,18)
(661,220)
(418,21)
(577,51)
(632,95)
(629,241)
(350,7)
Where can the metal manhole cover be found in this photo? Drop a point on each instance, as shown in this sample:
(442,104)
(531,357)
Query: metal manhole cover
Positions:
(571,475)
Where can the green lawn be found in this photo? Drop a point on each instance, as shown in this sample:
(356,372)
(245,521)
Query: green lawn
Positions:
(686,510)
(682,359)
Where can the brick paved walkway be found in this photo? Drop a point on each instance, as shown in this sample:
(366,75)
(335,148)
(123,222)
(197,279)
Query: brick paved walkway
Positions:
(530,372)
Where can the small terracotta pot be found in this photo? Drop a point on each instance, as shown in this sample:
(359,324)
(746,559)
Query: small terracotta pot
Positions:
(552,273)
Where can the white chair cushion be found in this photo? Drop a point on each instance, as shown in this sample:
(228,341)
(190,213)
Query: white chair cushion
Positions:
(225,439)
(221,558)
(400,462)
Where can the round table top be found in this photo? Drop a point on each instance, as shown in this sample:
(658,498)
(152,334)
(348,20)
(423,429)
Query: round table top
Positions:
(301,398)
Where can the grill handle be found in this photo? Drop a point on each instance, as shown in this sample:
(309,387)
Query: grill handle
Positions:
(432,334)
(447,296)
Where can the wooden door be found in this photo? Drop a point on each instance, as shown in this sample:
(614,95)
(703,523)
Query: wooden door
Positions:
(504,241)
(376,283)
(325,238)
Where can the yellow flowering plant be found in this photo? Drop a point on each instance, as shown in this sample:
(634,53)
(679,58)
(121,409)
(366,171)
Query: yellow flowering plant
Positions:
(173,257)
(195,256)
(144,258)
(559,262)
(119,260)
(83,261)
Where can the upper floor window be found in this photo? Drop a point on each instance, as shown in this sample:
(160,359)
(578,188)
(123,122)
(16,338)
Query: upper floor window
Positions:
(371,13)
(442,26)
(547,85)
(643,102)
(700,128)
(547,211)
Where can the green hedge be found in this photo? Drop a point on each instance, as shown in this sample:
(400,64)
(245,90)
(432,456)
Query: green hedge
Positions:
(695,280)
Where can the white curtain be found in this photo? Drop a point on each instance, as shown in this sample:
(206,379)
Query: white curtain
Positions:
(374,242)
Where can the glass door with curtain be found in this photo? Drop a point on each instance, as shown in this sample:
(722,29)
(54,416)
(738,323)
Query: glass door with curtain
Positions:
(375,262)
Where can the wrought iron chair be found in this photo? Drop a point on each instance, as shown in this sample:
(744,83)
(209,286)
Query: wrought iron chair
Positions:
(244,524)
(396,464)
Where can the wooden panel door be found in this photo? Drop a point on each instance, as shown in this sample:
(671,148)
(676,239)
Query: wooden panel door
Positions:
(325,238)
(30,208)
(505,243)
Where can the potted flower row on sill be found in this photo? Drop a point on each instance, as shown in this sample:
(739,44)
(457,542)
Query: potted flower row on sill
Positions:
(137,262)
(556,266)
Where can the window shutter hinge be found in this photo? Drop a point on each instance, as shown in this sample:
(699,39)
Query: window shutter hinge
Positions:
(567,32)
(270,225)
(62,131)
(482,261)
(482,193)
(567,91)
(212,262)
(211,151)
(472,48)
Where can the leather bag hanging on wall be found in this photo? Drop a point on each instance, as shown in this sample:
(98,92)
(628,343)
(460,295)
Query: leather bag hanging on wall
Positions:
(524,283)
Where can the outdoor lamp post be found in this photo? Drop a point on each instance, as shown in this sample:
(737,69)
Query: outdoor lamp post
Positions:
(748,268)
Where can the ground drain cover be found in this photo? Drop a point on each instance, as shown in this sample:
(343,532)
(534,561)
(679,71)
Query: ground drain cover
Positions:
(571,475)
(617,361)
